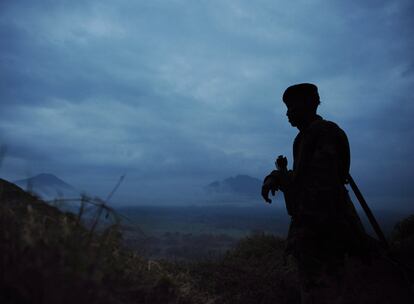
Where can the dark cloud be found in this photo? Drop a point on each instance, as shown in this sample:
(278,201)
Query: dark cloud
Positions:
(180,93)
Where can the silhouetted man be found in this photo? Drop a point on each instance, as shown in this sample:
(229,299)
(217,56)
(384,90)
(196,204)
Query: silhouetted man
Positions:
(324,224)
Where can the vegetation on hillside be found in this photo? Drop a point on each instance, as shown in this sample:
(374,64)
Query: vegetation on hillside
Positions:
(49,256)
(255,271)
(402,241)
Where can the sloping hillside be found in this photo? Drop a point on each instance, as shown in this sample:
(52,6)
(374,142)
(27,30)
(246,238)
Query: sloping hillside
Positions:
(47,256)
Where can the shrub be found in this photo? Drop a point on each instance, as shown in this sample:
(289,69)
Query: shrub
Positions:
(254,272)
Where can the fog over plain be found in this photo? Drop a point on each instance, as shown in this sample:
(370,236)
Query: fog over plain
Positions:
(176,94)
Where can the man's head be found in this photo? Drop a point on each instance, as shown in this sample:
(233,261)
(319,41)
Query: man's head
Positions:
(301,101)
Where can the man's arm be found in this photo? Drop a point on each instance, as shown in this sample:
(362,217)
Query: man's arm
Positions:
(280,179)
(270,184)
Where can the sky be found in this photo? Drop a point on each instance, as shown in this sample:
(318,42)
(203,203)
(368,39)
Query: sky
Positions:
(176,94)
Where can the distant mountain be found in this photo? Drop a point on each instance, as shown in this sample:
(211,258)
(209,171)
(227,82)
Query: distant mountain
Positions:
(240,185)
(48,186)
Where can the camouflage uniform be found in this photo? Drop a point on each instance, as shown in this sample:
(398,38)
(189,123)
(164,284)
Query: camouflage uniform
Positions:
(324,226)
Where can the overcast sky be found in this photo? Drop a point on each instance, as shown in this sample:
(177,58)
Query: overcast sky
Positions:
(176,94)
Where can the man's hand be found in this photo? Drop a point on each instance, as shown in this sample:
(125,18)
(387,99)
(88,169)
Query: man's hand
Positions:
(270,184)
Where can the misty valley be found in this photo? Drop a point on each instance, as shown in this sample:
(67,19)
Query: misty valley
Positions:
(191,233)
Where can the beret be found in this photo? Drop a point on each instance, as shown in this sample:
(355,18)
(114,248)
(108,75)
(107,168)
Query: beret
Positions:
(302,91)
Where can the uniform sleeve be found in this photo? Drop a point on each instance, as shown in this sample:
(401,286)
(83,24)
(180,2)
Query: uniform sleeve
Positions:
(331,155)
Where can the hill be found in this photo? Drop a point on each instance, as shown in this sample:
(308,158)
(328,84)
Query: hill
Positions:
(239,185)
(49,256)
(48,187)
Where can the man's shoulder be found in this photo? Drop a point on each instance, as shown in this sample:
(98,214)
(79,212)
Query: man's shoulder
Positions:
(321,128)
(323,125)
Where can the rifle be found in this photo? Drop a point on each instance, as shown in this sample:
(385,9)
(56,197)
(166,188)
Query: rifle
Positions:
(368,212)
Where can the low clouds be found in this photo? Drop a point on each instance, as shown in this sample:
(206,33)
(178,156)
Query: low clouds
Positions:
(180,93)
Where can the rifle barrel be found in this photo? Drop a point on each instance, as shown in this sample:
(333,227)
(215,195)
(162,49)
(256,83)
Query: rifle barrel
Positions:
(368,212)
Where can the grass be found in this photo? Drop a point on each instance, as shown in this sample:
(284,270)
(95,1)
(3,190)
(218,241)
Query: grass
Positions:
(51,256)
(255,271)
